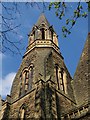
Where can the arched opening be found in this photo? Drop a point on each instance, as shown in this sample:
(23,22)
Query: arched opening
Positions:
(22,115)
(61,79)
(56,67)
(30,76)
(20,85)
(26,80)
(51,35)
(43,33)
(34,34)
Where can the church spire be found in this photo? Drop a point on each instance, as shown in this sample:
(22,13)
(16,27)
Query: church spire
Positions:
(43,35)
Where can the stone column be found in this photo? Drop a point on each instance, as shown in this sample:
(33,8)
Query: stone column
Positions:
(36,34)
(47,34)
(31,39)
(39,34)
(50,35)
(55,40)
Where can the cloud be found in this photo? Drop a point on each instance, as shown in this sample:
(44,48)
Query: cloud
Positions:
(5,84)
(1,56)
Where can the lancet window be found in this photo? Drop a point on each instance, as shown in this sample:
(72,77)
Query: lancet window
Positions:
(60,77)
(30,76)
(34,34)
(22,112)
(56,69)
(26,79)
(52,35)
(20,85)
(43,33)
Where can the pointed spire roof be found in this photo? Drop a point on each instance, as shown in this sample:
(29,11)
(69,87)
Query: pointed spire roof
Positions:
(84,59)
(81,77)
(42,19)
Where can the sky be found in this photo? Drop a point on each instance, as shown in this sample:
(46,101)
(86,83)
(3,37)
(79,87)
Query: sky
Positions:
(70,47)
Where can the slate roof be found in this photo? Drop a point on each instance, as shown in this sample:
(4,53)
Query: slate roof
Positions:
(82,75)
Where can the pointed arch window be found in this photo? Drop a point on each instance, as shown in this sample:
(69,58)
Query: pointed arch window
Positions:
(20,85)
(34,35)
(56,68)
(52,35)
(22,115)
(43,33)
(30,76)
(61,79)
(26,80)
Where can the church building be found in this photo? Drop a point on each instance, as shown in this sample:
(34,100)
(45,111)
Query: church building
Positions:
(43,87)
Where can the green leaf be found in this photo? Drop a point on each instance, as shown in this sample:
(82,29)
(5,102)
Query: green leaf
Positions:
(69,32)
(80,7)
(56,13)
(60,17)
(64,35)
(75,11)
(67,21)
(49,7)
(62,13)
(73,22)
(84,15)
(78,14)
(63,4)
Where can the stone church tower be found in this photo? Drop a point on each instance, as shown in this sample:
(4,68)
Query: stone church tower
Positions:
(43,87)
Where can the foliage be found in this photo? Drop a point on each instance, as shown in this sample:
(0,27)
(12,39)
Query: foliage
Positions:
(60,8)
(9,26)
